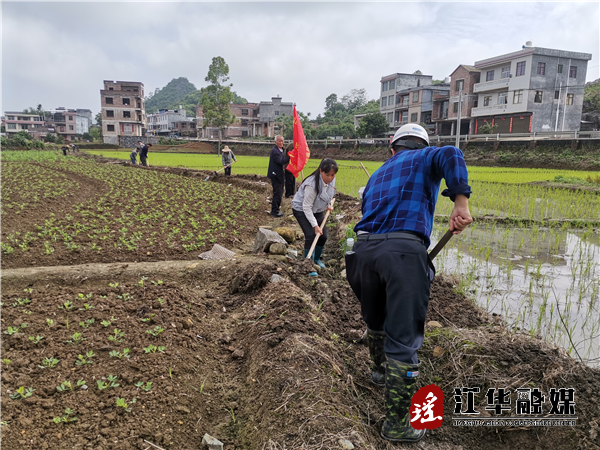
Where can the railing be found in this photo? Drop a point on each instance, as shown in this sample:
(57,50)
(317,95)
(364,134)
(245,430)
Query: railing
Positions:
(491,85)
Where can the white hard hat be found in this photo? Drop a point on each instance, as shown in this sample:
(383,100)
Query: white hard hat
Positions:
(410,129)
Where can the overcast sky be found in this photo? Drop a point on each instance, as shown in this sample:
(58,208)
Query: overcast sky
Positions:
(58,54)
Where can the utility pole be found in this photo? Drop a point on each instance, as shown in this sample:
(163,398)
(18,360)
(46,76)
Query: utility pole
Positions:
(458,118)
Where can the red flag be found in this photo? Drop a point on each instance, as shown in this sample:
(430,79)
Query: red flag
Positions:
(300,154)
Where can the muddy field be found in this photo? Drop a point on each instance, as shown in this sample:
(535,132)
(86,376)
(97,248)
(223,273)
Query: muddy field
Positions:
(258,364)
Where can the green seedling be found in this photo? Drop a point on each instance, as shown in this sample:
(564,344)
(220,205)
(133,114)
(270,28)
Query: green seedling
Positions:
(170,371)
(28,290)
(86,307)
(64,385)
(68,305)
(157,283)
(65,417)
(23,325)
(113,285)
(160,301)
(148,319)
(21,302)
(5,423)
(141,282)
(125,297)
(87,323)
(146,387)
(110,383)
(117,336)
(83,360)
(122,404)
(22,392)
(11,330)
(155,331)
(76,339)
(6,361)
(26,311)
(36,339)
(49,363)
(49,322)
(116,354)
(153,349)
(81,296)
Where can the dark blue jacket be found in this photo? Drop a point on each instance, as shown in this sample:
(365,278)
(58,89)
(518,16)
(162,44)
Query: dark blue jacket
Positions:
(277,162)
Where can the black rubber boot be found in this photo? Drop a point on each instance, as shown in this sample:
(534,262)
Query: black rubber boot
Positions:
(400,386)
(376,339)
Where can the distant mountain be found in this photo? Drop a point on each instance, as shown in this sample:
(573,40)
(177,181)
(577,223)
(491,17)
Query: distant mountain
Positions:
(591,103)
(179,91)
(171,96)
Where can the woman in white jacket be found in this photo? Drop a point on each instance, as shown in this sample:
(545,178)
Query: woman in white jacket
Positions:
(310,203)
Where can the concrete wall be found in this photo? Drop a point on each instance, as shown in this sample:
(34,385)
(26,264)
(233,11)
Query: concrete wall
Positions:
(131,141)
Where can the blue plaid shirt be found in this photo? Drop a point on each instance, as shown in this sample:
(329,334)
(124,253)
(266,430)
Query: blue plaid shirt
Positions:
(401,195)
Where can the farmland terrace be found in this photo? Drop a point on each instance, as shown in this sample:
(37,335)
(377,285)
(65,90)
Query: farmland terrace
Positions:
(116,336)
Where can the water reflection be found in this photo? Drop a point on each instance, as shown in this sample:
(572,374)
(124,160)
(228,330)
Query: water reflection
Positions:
(546,281)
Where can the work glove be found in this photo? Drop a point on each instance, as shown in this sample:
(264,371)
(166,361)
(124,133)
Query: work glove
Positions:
(361,192)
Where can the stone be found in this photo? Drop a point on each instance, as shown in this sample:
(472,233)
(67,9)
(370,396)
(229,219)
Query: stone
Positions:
(182,409)
(343,273)
(276,278)
(264,239)
(211,442)
(437,352)
(345,444)
(287,233)
(278,257)
(299,235)
(278,249)
(292,253)
(434,324)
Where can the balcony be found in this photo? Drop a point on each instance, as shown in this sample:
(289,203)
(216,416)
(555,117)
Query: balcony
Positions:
(489,110)
(491,85)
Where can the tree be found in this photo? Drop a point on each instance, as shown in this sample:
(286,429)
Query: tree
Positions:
(216,98)
(417,72)
(99,119)
(355,99)
(96,133)
(286,125)
(237,100)
(487,128)
(87,136)
(372,124)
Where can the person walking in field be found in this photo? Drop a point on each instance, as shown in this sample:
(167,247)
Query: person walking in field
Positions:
(310,203)
(227,158)
(389,269)
(133,155)
(277,163)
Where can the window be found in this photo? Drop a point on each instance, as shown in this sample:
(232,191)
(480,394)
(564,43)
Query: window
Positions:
(126,101)
(397,116)
(489,76)
(390,116)
(10,118)
(276,113)
(244,112)
(570,99)
(475,103)
(391,100)
(520,69)
(573,72)
(62,129)
(455,107)
(127,114)
(392,84)
(110,89)
(404,117)
(139,105)
(244,122)
(502,98)
(110,128)
(384,86)
(541,68)
(70,127)
(556,95)
(12,126)
(110,113)
(538,97)
(139,117)
(459,84)
(70,117)
(487,101)
(518,96)
(415,96)
(383,102)
(505,72)
(559,70)
(414,117)
(109,100)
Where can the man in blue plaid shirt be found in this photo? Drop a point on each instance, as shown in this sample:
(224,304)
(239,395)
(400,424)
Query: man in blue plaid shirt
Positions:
(389,269)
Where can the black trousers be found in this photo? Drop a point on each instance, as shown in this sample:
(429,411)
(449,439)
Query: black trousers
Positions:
(392,278)
(290,184)
(228,171)
(277,195)
(308,229)
(143,160)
